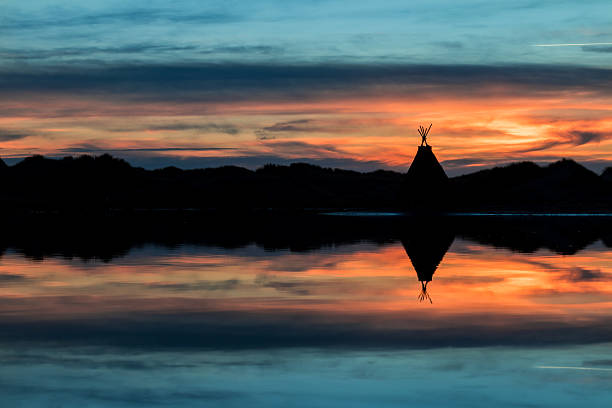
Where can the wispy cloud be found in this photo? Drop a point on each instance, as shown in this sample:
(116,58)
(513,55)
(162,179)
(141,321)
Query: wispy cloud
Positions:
(223,285)
(566,138)
(574,368)
(299,125)
(303,149)
(244,50)
(88,148)
(572,44)
(205,127)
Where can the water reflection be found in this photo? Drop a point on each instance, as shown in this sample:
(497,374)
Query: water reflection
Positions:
(114,238)
(195,318)
(426,243)
(327,292)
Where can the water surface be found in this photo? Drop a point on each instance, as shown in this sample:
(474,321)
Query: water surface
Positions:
(519,321)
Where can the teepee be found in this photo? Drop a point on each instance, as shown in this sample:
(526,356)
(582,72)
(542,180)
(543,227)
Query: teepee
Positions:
(426,184)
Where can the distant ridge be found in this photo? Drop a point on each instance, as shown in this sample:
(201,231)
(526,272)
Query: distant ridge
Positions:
(560,186)
(104,183)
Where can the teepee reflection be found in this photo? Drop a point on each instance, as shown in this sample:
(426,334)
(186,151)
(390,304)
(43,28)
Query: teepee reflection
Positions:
(426,244)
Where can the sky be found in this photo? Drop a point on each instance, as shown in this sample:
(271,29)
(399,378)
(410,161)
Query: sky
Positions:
(208,83)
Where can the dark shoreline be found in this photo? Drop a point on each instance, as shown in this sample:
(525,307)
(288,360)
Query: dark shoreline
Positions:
(106,237)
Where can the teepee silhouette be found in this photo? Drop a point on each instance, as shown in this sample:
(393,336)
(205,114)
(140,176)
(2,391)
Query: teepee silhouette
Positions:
(426,243)
(426,184)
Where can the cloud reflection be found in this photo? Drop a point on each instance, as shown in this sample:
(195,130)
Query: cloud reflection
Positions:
(359,296)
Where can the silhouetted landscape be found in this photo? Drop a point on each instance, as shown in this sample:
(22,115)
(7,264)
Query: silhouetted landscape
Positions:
(305,204)
(112,237)
(104,183)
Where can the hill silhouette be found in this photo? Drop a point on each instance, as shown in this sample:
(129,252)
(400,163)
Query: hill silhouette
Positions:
(561,186)
(91,183)
(104,183)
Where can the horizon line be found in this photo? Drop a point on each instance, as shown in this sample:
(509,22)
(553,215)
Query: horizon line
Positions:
(298,161)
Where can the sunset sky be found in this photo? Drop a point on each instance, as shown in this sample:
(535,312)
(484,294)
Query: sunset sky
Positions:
(336,83)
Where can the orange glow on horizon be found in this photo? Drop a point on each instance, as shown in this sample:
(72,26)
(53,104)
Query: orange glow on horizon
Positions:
(487,130)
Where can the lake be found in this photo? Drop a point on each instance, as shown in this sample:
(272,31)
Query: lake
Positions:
(353,312)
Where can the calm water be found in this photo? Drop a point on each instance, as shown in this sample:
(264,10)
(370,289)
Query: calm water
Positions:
(342,324)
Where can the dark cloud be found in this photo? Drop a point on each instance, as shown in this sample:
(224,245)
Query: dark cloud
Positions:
(7,278)
(579,137)
(245,49)
(132,51)
(573,138)
(536,147)
(86,361)
(451,45)
(470,280)
(300,125)
(269,82)
(261,135)
(577,274)
(206,127)
(35,54)
(130,17)
(7,135)
(291,126)
(597,363)
(244,329)
(574,273)
(596,48)
(196,286)
(293,287)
